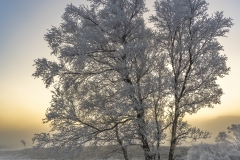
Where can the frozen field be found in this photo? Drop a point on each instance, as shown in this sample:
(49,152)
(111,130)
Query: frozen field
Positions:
(18,155)
(102,153)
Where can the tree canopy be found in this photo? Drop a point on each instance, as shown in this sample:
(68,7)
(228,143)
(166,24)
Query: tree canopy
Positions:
(118,82)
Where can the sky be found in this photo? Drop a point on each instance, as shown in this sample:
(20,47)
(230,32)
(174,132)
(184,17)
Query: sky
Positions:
(24,100)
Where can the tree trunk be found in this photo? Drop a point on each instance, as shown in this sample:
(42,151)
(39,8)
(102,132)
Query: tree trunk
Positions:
(142,132)
(173,142)
(124,149)
(174,134)
(141,122)
(158,150)
(158,133)
(125,153)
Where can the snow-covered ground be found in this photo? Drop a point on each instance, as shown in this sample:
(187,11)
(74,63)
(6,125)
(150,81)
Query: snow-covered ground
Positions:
(18,155)
(21,155)
(88,153)
(31,155)
(13,157)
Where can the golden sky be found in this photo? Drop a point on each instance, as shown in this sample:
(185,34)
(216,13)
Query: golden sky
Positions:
(23,99)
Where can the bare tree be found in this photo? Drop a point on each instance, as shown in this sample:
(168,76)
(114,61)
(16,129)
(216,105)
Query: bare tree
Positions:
(24,143)
(188,36)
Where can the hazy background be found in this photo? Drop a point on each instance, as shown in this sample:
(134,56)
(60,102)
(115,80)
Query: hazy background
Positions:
(23,99)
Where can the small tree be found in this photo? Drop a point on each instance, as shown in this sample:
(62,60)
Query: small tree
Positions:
(24,143)
(188,36)
(232,137)
(221,151)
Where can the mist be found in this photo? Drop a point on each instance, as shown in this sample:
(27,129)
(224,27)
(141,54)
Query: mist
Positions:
(11,136)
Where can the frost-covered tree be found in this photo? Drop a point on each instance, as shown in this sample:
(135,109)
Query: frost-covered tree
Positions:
(221,151)
(232,137)
(188,36)
(116,82)
(110,82)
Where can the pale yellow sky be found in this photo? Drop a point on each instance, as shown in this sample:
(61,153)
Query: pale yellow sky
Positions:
(24,100)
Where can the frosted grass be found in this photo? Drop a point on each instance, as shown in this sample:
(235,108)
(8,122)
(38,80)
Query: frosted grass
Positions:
(102,153)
